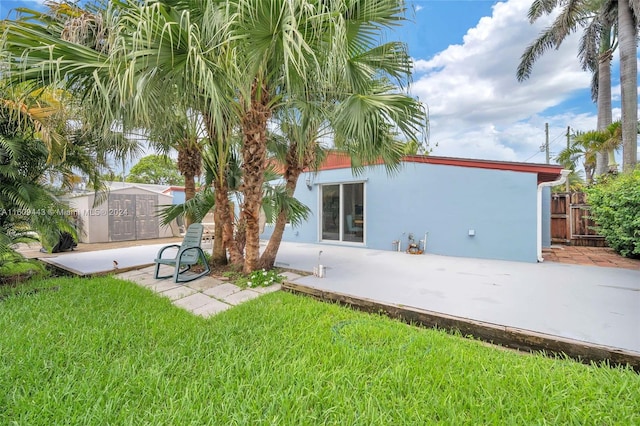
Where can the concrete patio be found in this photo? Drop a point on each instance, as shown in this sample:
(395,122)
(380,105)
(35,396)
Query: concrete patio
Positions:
(596,305)
(597,308)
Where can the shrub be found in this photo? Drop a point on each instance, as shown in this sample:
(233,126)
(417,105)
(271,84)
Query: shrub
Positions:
(615,207)
(14,268)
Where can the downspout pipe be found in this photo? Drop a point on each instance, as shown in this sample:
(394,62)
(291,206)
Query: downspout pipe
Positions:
(563,177)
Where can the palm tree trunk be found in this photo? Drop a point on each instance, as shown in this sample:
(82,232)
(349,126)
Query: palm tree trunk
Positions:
(254,157)
(221,217)
(268,258)
(189,193)
(223,210)
(627,35)
(189,164)
(293,169)
(604,102)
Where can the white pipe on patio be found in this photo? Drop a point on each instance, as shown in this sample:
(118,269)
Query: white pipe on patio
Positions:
(563,176)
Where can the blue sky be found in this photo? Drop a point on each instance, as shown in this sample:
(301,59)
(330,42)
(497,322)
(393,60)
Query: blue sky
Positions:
(465,57)
(466,54)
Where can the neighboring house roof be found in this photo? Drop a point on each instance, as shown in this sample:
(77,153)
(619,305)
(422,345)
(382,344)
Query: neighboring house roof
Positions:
(545,172)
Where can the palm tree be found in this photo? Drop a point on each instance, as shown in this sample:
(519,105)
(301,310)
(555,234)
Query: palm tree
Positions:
(62,26)
(26,202)
(141,76)
(585,146)
(223,171)
(235,61)
(613,134)
(182,129)
(297,149)
(595,52)
(609,15)
(41,110)
(276,199)
(299,52)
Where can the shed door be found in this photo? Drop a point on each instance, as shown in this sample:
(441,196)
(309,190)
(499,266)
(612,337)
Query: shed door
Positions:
(121,211)
(132,217)
(146,220)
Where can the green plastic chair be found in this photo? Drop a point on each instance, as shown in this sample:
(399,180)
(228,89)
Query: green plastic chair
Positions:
(189,253)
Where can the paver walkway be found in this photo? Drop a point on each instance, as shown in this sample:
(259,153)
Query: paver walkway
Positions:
(590,256)
(205,296)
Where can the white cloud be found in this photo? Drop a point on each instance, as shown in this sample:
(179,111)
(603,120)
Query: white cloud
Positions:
(616,93)
(477,107)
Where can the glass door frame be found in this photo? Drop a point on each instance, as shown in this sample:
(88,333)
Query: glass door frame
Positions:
(341,212)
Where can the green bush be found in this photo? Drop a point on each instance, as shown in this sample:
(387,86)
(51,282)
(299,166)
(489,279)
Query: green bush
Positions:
(14,268)
(615,207)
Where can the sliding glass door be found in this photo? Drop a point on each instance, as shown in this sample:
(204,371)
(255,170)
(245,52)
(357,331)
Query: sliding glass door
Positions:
(343,212)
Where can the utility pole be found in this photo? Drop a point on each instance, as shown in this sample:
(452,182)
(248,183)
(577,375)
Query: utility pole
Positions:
(567,186)
(546,141)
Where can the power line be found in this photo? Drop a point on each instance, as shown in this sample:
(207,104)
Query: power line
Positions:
(542,148)
(561,135)
(537,152)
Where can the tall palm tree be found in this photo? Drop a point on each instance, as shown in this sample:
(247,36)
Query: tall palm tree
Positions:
(597,46)
(298,149)
(159,57)
(610,15)
(595,51)
(135,91)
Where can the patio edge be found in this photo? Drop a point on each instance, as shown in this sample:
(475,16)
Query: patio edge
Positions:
(510,337)
(49,261)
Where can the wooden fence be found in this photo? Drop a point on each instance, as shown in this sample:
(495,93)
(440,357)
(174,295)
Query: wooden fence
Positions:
(570,221)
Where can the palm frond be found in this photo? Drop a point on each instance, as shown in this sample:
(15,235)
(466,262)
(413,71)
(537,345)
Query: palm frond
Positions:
(545,41)
(277,199)
(541,7)
(196,208)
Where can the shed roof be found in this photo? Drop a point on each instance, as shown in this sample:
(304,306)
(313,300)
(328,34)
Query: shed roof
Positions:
(114,187)
(545,172)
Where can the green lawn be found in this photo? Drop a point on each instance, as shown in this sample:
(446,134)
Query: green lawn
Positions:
(104,351)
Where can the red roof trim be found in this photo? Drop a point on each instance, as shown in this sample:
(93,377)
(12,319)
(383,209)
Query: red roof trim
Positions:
(174,188)
(545,172)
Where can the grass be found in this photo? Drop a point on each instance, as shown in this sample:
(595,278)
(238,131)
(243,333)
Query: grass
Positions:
(105,351)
